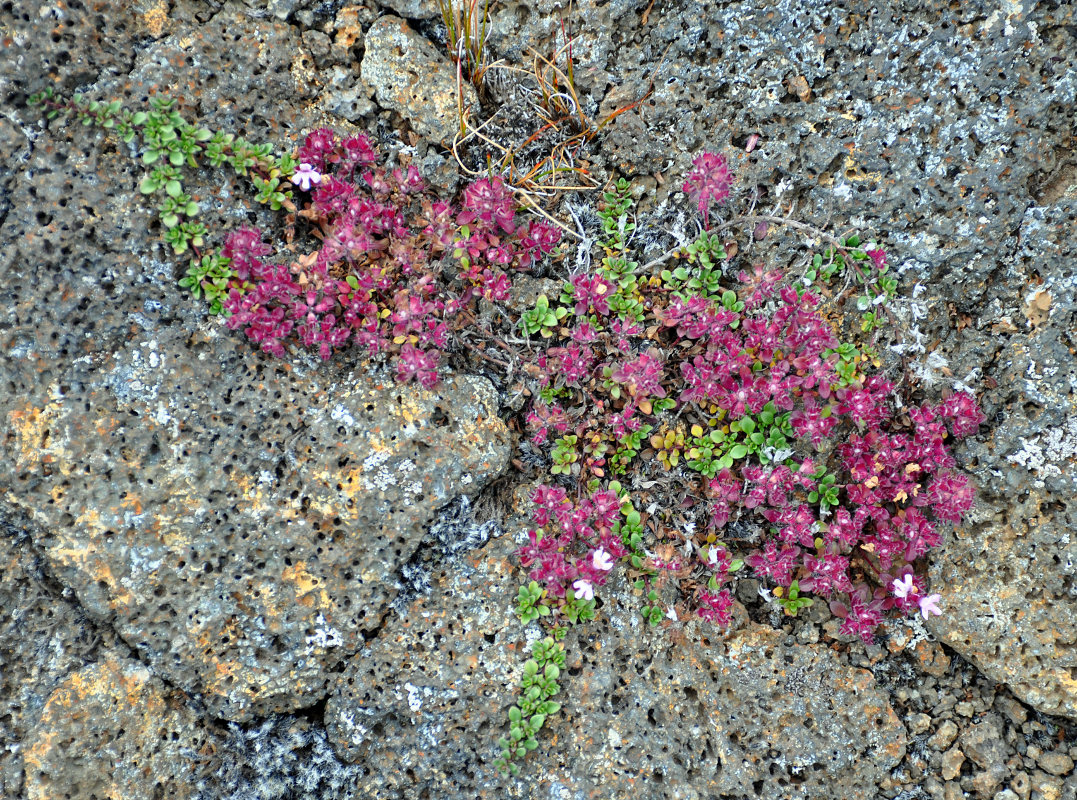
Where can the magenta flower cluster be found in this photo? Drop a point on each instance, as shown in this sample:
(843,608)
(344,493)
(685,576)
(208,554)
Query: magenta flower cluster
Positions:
(376,281)
(891,477)
(571,534)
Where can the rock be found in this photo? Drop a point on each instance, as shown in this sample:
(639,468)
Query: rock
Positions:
(1048,787)
(345,95)
(517,30)
(281,9)
(53,44)
(1056,763)
(1014,711)
(952,760)
(238,521)
(1021,784)
(1016,567)
(112,729)
(417,9)
(410,76)
(944,736)
(245,573)
(277,757)
(43,638)
(983,745)
(920,723)
(731,706)
(319,44)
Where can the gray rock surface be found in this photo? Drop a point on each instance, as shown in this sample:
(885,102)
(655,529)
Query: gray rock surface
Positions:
(116,713)
(239,521)
(412,77)
(1015,567)
(716,714)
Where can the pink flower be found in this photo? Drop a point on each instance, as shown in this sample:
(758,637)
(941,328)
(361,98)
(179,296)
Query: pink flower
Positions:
(903,586)
(708,181)
(305,176)
(601,560)
(930,605)
(585,591)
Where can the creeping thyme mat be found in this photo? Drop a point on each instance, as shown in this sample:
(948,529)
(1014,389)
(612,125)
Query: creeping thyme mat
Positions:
(757,407)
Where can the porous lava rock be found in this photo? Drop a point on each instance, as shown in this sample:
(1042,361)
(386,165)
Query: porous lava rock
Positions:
(746,713)
(1013,571)
(239,521)
(112,729)
(410,76)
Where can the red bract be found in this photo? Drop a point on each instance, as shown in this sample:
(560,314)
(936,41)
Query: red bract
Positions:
(490,201)
(418,365)
(317,148)
(708,182)
(714,606)
(950,496)
(383,232)
(862,616)
(963,414)
(246,248)
(642,376)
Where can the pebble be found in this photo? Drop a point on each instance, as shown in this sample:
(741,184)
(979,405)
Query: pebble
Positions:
(1021,785)
(951,763)
(1056,763)
(1013,710)
(1047,786)
(920,723)
(944,736)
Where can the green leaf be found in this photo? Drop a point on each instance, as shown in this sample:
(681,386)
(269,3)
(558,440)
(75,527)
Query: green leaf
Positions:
(738,451)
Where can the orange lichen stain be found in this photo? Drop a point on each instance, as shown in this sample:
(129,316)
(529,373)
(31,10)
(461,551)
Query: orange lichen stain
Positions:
(32,433)
(102,684)
(854,172)
(250,491)
(306,585)
(155,19)
(132,502)
(224,675)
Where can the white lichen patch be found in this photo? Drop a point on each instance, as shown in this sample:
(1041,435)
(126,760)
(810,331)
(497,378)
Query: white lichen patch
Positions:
(415,701)
(1047,455)
(138,381)
(354,731)
(324,636)
(339,413)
